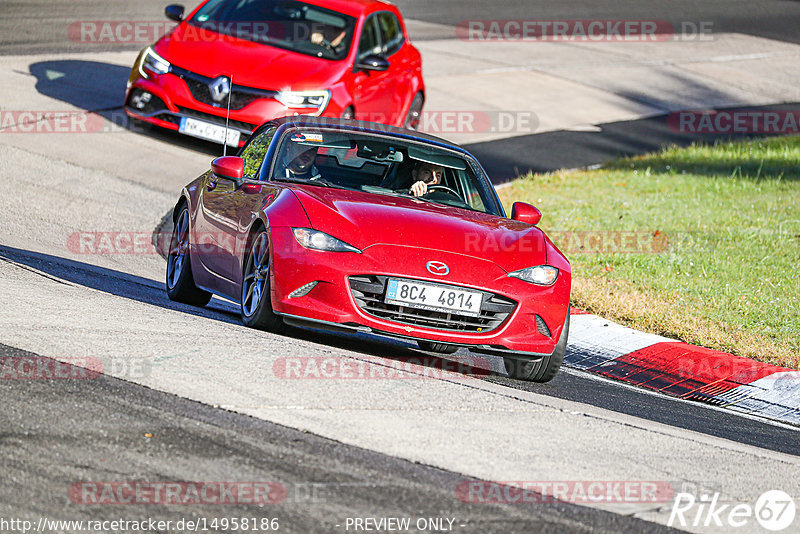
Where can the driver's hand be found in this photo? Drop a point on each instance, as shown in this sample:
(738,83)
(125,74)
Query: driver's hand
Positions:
(316,38)
(419,188)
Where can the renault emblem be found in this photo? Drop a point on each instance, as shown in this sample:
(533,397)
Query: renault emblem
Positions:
(219,88)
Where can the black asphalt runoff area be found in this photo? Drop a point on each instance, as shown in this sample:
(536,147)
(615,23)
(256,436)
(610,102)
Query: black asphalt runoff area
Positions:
(60,438)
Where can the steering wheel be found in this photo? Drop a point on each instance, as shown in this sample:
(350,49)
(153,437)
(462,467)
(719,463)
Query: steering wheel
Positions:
(432,189)
(444,188)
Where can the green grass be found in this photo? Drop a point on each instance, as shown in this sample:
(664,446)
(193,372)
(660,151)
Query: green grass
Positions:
(729,215)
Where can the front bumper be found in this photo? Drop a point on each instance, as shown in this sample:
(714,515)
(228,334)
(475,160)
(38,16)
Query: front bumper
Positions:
(171,99)
(333,304)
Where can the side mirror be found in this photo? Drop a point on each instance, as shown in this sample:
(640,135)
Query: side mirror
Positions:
(526,213)
(174,12)
(373,62)
(228,167)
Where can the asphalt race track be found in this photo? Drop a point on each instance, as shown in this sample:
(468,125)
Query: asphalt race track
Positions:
(189,395)
(325,481)
(38,25)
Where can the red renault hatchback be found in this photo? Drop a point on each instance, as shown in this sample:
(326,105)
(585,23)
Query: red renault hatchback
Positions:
(274,58)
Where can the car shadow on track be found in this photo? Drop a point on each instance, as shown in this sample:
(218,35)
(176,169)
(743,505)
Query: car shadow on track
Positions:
(99,88)
(108,281)
(147,291)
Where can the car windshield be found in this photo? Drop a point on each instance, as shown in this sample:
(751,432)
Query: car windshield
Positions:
(296,26)
(382,165)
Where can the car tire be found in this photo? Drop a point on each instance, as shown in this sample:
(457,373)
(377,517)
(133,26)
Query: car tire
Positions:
(256,303)
(414,112)
(179,280)
(441,348)
(544,369)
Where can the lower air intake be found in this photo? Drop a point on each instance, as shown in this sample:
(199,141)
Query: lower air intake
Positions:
(369,292)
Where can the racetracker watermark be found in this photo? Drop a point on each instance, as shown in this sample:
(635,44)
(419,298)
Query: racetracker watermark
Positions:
(40,122)
(145,32)
(580,492)
(66,122)
(124,243)
(735,121)
(118,31)
(713,366)
(430,121)
(181,493)
(587,30)
(147,243)
(211,243)
(572,242)
(42,368)
(407,368)
(34,367)
(439,122)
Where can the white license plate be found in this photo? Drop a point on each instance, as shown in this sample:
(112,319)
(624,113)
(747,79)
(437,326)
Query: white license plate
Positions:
(206,130)
(433,297)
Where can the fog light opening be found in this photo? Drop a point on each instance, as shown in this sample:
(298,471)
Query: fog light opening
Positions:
(302,291)
(541,326)
(140,101)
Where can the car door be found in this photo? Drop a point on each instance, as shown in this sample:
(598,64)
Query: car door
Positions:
(370,87)
(250,199)
(223,205)
(397,83)
(211,229)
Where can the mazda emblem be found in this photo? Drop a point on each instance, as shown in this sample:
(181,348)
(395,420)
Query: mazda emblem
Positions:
(438,268)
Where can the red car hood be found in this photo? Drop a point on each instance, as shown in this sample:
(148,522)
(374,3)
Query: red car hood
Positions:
(254,64)
(364,219)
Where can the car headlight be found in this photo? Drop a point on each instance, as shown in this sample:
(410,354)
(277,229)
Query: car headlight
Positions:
(316,240)
(153,62)
(317,100)
(541,275)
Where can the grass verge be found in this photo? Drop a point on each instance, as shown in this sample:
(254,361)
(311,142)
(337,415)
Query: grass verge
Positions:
(699,243)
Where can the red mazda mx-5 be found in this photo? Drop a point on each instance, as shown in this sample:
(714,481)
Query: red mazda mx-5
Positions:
(355,226)
(275,58)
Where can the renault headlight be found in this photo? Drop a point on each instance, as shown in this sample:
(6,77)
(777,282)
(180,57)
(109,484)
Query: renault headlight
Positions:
(317,240)
(152,62)
(317,100)
(541,275)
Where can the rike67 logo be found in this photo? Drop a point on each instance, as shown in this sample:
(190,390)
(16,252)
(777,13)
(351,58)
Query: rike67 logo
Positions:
(774,510)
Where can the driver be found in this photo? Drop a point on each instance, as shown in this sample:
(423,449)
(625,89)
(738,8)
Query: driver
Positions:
(425,175)
(300,160)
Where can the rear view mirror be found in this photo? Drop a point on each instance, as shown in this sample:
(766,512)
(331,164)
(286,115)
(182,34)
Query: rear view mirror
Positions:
(526,213)
(373,62)
(228,167)
(174,12)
